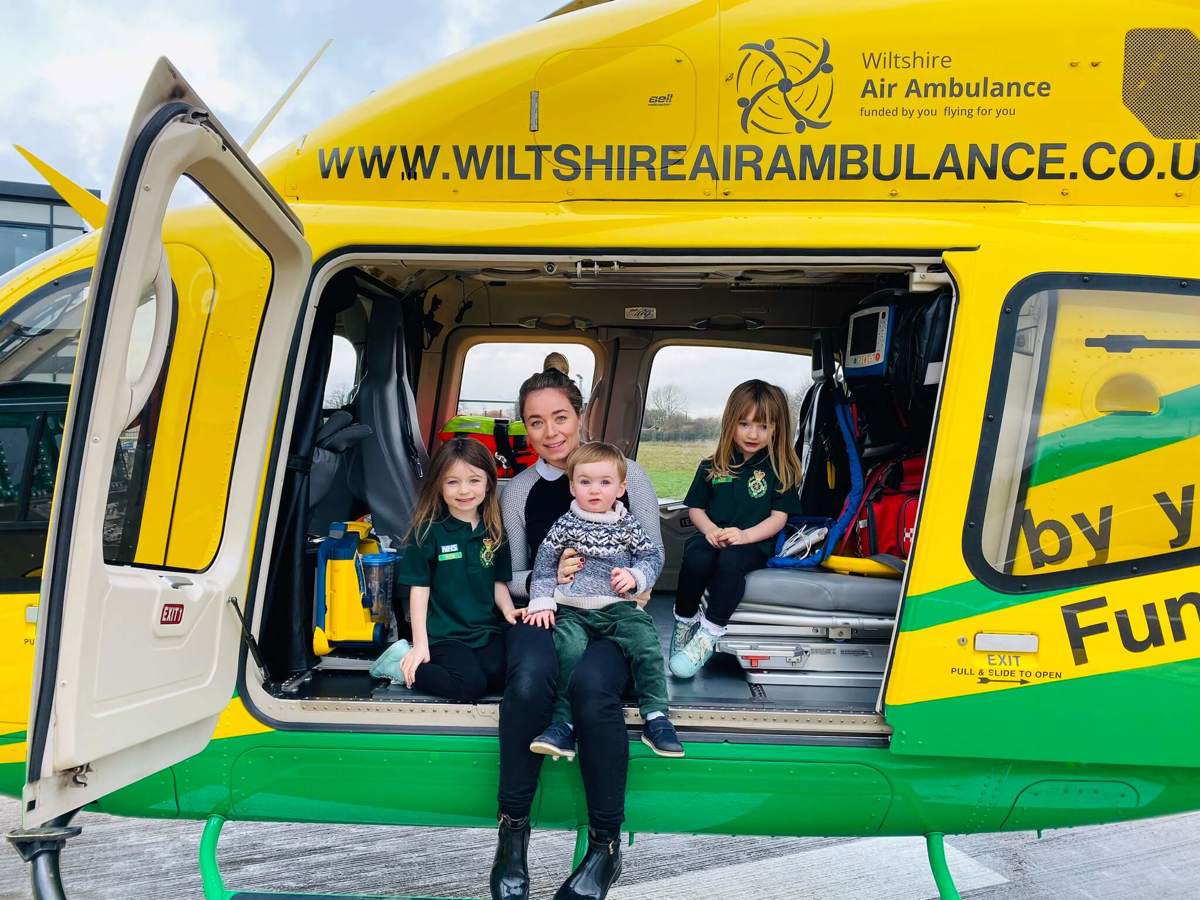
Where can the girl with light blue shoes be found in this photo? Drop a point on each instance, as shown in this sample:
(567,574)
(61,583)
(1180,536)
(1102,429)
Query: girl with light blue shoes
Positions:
(739,501)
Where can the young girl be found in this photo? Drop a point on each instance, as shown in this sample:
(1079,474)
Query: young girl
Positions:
(457,566)
(739,500)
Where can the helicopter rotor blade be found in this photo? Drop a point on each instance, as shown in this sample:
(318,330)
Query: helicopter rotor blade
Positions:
(262,126)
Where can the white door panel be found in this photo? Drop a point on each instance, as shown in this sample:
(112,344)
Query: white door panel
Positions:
(135,659)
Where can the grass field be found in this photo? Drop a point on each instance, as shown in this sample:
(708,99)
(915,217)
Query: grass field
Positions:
(672,465)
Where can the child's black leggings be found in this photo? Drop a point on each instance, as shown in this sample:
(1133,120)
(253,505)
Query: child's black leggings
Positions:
(458,672)
(723,572)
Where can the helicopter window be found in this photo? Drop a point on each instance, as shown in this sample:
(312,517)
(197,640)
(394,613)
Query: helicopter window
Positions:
(493,371)
(14,446)
(1090,452)
(39,335)
(685,395)
(342,380)
(29,442)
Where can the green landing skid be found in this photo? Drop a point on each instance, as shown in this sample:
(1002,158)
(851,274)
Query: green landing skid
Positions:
(935,845)
(214,885)
(259,895)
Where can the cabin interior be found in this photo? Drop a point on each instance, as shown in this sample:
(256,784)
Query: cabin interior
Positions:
(403,346)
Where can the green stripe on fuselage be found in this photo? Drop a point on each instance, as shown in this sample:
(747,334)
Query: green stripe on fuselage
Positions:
(949,604)
(14,738)
(1128,718)
(1115,437)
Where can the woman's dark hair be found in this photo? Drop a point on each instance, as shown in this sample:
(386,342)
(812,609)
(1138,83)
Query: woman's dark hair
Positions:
(550,377)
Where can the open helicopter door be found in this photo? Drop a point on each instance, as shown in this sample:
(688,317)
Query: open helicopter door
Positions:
(161,475)
(1052,609)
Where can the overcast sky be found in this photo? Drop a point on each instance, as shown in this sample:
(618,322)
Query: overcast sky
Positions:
(72,71)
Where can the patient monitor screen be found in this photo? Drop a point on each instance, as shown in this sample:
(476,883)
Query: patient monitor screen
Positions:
(867,344)
(864,334)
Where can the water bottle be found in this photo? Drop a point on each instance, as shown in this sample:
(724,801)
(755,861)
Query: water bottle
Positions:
(379,575)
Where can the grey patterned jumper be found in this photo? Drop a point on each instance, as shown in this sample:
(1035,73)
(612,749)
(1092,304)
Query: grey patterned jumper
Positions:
(536,496)
(607,540)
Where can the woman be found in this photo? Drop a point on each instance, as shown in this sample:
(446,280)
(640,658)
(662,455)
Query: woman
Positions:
(551,405)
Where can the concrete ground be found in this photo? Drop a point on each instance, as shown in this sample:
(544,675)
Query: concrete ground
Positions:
(138,858)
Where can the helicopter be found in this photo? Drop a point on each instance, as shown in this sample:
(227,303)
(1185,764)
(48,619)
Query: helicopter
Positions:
(629,177)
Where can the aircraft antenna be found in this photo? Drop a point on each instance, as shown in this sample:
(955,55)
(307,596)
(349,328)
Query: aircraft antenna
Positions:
(287,95)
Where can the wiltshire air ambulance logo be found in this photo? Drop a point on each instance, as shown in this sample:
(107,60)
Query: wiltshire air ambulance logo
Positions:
(757,486)
(487,553)
(785,86)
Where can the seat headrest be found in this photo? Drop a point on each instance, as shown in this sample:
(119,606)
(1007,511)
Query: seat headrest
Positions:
(824,365)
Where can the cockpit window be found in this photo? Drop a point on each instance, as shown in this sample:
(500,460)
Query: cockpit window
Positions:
(39,335)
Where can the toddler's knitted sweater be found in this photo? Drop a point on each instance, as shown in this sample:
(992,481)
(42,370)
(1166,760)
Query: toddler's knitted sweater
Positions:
(606,541)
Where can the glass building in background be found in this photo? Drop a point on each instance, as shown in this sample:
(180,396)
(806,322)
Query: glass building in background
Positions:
(33,218)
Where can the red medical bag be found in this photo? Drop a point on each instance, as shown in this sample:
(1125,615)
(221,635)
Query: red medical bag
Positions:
(887,517)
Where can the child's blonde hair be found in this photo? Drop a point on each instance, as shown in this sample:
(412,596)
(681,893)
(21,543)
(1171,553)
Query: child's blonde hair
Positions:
(430,505)
(596,451)
(762,402)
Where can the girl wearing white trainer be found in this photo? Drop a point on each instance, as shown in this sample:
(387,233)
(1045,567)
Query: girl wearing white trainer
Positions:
(739,500)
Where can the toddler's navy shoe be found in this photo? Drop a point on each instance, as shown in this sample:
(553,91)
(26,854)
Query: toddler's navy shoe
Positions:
(659,735)
(557,741)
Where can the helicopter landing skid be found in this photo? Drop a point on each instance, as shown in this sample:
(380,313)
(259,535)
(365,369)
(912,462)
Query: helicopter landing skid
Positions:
(214,885)
(935,845)
(40,847)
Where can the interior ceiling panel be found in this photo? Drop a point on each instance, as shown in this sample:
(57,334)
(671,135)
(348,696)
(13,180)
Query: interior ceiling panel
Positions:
(700,295)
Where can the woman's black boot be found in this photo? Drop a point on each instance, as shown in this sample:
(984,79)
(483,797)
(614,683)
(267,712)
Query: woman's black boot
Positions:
(599,870)
(510,870)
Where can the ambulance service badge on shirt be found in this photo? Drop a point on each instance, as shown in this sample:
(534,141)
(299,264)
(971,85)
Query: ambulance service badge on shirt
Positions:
(487,552)
(757,485)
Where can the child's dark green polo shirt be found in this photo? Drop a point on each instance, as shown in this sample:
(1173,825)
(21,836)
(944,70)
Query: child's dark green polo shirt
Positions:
(744,498)
(460,565)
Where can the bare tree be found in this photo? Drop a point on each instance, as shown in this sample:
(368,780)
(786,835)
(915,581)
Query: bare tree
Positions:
(339,397)
(667,407)
(795,401)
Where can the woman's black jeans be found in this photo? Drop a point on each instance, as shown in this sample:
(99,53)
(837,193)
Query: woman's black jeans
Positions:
(600,681)
(532,673)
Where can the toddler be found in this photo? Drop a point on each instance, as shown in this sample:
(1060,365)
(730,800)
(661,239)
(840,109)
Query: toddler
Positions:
(620,562)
